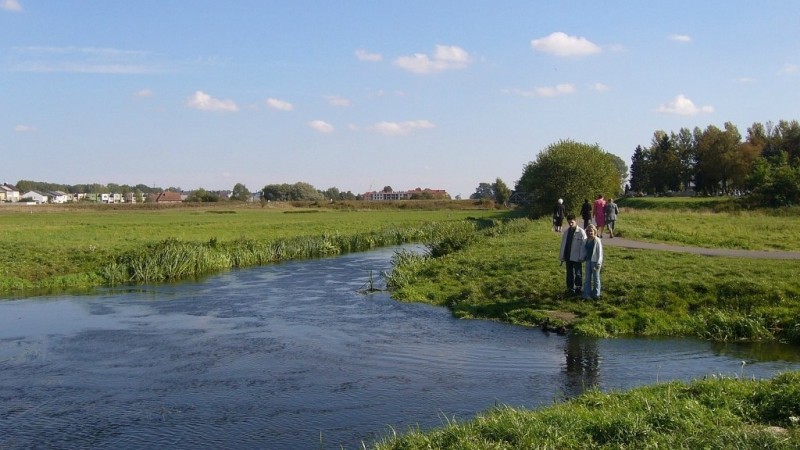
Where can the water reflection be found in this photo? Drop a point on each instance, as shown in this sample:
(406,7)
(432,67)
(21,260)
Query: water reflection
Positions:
(583,364)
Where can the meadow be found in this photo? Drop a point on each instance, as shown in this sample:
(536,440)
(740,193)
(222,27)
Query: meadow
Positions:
(516,277)
(53,248)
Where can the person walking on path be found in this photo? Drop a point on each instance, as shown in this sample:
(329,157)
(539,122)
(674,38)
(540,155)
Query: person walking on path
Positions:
(558,216)
(593,255)
(611,211)
(572,248)
(586,213)
(599,212)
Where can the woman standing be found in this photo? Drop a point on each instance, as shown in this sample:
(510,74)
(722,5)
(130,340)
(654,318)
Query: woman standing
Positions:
(593,254)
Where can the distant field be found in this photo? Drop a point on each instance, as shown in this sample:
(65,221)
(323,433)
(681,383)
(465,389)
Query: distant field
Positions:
(44,241)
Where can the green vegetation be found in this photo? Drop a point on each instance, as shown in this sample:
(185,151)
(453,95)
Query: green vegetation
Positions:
(765,165)
(571,171)
(512,274)
(720,413)
(61,247)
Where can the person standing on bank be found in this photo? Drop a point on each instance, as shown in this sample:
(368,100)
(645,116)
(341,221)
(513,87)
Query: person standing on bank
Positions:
(599,212)
(558,215)
(572,248)
(611,217)
(593,255)
(586,213)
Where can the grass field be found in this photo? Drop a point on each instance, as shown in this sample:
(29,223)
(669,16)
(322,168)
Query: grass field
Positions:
(63,247)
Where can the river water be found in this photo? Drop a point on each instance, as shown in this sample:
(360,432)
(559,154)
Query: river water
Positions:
(293,356)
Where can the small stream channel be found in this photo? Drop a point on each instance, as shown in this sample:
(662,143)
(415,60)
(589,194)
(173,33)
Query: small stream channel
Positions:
(291,356)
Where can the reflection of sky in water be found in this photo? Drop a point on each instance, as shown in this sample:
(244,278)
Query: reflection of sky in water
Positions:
(275,356)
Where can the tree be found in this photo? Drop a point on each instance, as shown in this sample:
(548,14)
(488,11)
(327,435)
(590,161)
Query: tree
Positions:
(240,193)
(388,189)
(569,170)
(640,173)
(202,195)
(501,192)
(483,191)
(299,191)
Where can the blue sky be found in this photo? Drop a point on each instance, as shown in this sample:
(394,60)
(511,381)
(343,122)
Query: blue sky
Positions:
(364,94)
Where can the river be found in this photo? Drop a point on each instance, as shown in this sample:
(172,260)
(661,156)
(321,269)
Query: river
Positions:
(293,356)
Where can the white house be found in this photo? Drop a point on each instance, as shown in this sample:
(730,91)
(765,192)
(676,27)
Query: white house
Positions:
(9,193)
(59,197)
(35,196)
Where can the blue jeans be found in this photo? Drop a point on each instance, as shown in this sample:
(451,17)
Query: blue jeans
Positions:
(591,283)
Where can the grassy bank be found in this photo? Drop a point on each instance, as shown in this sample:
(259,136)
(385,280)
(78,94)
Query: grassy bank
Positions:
(720,413)
(53,247)
(516,277)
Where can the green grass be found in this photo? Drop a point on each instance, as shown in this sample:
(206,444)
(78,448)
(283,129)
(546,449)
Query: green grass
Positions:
(718,413)
(515,277)
(55,248)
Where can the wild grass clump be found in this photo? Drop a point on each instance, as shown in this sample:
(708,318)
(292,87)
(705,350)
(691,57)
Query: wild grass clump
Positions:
(717,412)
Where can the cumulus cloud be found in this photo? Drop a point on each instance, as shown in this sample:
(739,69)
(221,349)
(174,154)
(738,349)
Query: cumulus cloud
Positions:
(11,5)
(204,102)
(561,44)
(600,87)
(335,100)
(446,57)
(280,105)
(547,91)
(683,106)
(143,93)
(364,55)
(680,38)
(400,128)
(321,126)
(24,129)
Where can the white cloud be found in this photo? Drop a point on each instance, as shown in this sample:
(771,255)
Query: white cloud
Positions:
(24,129)
(144,93)
(204,102)
(446,57)
(745,80)
(600,87)
(400,128)
(561,44)
(547,91)
(683,106)
(280,105)
(790,68)
(335,100)
(364,55)
(680,38)
(321,126)
(11,5)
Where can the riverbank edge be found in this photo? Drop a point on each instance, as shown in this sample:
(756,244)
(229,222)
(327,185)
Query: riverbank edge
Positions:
(725,412)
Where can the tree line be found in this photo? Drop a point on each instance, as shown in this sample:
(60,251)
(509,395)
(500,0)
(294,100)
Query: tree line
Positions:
(765,165)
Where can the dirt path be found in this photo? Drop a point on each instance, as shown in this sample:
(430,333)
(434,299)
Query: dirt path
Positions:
(627,243)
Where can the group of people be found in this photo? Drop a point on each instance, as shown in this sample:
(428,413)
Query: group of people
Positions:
(582,248)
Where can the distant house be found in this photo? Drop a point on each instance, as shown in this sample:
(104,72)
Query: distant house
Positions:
(406,195)
(165,197)
(36,196)
(9,193)
(59,197)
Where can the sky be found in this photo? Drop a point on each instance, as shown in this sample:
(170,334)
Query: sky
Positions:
(359,95)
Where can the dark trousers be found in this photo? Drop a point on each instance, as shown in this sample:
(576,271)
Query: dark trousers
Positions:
(574,276)
(586,223)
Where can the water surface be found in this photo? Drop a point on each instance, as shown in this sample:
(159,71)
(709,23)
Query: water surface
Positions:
(292,356)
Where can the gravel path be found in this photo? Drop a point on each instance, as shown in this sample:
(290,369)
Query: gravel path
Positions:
(627,243)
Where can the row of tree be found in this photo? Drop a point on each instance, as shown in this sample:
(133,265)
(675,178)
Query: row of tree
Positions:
(498,192)
(765,164)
